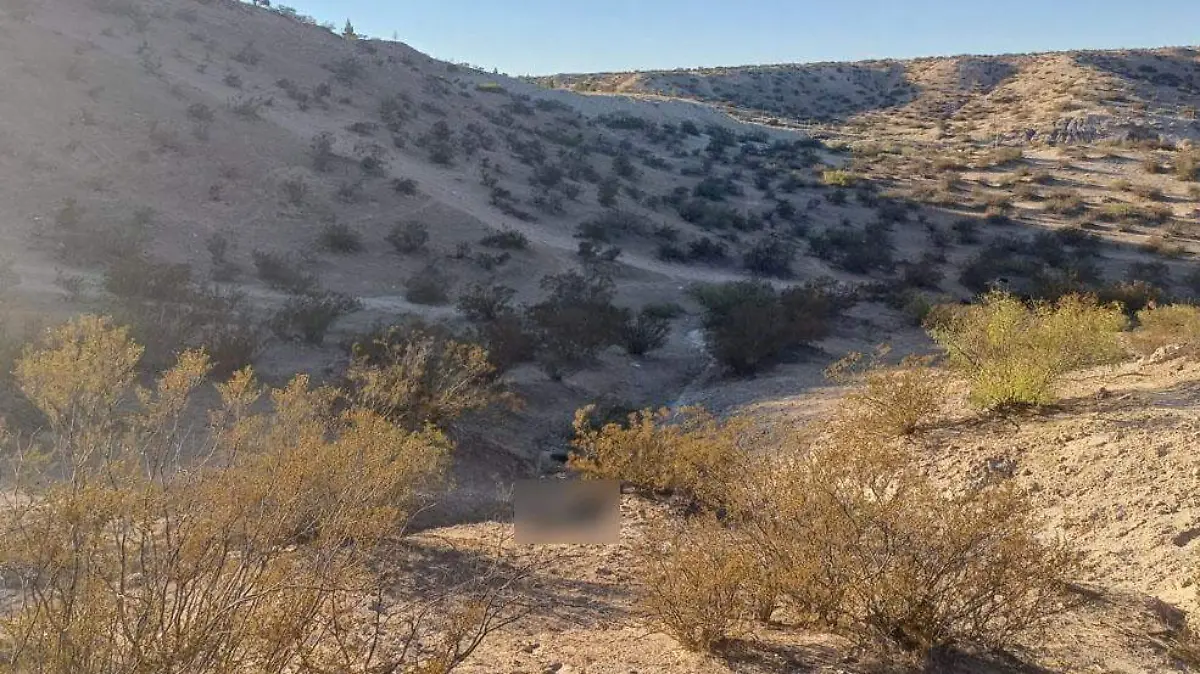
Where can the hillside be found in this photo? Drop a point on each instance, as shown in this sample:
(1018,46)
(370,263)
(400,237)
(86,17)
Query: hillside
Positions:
(1057,97)
(219,175)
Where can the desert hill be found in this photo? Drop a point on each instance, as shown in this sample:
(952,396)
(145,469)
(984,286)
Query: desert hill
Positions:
(1055,97)
(220,174)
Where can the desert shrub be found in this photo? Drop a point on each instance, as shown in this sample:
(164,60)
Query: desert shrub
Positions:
(644,332)
(1175,325)
(666,310)
(1133,214)
(408,237)
(837,523)
(405,186)
(716,189)
(497,324)
(1191,281)
(922,273)
(853,250)
(362,128)
(282,272)
(165,310)
(575,321)
(611,225)
(248,106)
(308,317)
(770,257)
(140,277)
(321,151)
(967,230)
(339,237)
(372,165)
(508,340)
(689,454)
(202,117)
(1004,156)
(863,544)
(1064,202)
(482,303)
(591,252)
(231,345)
(283,490)
(509,239)
(347,70)
(349,192)
(696,582)
(416,377)
(218,246)
(890,399)
(430,286)
(1013,353)
(750,325)
(295,190)
(707,250)
(1147,192)
(1155,273)
(1187,166)
(838,178)
(1133,296)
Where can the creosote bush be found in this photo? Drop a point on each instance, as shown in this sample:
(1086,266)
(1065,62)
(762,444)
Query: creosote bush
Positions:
(865,545)
(575,321)
(1014,353)
(837,526)
(644,332)
(408,237)
(309,316)
(690,453)
(696,583)
(126,557)
(893,400)
(750,325)
(430,286)
(416,376)
(340,238)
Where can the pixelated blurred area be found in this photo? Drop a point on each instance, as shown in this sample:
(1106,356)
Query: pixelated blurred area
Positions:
(558,512)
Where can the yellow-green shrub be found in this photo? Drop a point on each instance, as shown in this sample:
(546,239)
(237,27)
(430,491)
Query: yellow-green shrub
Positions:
(1014,353)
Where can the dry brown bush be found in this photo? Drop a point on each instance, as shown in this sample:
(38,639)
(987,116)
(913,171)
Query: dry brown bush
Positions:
(690,453)
(841,530)
(1176,325)
(893,399)
(417,377)
(697,582)
(864,545)
(136,542)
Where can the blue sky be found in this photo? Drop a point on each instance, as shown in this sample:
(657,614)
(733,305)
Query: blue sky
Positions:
(549,36)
